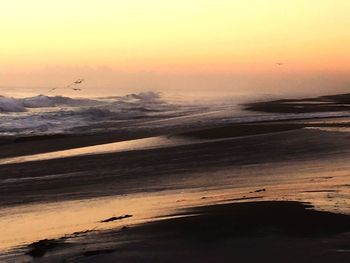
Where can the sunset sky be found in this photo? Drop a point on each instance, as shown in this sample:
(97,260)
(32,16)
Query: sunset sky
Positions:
(44,41)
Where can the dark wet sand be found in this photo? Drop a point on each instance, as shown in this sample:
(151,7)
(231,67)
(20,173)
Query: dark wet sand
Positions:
(161,169)
(238,232)
(330,103)
(268,231)
(11,147)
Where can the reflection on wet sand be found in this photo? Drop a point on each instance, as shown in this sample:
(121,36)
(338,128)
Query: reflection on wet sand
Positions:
(322,184)
(131,145)
(85,200)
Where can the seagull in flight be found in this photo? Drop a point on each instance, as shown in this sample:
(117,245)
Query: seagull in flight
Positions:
(77,82)
(52,89)
(279,64)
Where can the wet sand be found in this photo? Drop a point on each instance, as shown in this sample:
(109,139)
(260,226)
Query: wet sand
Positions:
(266,231)
(332,103)
(177,194)
(270,231)
(161,169)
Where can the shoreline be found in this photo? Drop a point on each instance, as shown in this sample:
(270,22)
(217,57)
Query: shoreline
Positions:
(330,103)
(272,161)
(25,145)
(247,231)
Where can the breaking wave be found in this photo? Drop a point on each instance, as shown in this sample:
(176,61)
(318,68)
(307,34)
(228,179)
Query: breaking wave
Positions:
(11,105)
(42,115)
(57,114)
(8,104)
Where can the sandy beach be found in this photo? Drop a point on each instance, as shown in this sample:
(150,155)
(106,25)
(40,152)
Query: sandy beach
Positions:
(262,191)
(186,131)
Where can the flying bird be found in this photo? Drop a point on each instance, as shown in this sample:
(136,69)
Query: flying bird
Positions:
(77,82)
(279,64)
(52,89)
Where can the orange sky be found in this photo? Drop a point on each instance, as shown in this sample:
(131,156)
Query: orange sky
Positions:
(172,37)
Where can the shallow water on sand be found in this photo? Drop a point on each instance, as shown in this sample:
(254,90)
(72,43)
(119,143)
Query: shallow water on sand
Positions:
(299,165)
(323,184)
(130,145)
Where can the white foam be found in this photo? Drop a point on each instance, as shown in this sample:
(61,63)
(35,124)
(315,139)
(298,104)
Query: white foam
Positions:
(51,115)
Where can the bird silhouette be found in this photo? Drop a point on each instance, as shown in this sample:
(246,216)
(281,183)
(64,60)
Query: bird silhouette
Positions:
(77,82)
(52,89)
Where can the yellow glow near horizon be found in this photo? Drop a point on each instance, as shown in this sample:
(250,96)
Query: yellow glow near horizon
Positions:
(188,35)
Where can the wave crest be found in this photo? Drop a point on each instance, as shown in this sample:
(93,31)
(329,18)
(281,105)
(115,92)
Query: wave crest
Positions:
(57,114)
(9,104)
